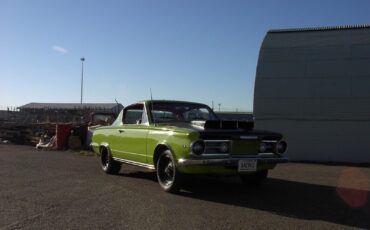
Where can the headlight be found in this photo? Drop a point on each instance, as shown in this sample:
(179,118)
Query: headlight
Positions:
(197,147)
(281,147)
(263,147)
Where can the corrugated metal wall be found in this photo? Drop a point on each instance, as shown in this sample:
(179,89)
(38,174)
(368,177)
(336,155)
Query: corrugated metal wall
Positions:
(314,86)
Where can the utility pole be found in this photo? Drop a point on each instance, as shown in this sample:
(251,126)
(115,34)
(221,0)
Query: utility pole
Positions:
(219,107)
(82,77)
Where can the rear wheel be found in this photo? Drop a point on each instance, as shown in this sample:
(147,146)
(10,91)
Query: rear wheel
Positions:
(109,165)
(254,179)
(169,178)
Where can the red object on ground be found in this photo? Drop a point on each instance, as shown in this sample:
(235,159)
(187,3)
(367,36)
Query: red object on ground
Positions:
(353,187)
(62,133)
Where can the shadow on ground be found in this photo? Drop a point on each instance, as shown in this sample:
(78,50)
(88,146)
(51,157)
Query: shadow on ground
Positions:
(286,198)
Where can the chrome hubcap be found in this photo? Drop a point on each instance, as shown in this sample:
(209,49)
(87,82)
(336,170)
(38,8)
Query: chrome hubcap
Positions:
(166,170)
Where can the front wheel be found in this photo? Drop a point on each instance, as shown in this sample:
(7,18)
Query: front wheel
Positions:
(254,179)
(169,178)
(109,165)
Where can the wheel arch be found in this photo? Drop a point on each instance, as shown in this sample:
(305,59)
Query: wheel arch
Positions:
(158,150)
(103,146)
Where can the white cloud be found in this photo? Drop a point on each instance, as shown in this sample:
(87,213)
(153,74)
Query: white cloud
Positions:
(60,49)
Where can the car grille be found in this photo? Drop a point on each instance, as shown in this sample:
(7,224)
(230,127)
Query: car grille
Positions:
(235,147)
(242,147)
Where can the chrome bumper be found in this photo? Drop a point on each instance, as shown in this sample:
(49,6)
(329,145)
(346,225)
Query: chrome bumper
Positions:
(231,161)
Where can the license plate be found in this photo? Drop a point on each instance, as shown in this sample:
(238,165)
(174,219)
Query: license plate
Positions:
(247,165)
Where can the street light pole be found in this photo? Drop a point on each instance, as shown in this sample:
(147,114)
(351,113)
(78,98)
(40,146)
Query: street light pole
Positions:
(82,77)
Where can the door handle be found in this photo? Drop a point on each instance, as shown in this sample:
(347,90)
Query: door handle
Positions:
(121,131)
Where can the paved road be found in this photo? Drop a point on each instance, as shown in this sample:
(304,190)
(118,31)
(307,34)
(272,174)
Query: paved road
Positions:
(65,190)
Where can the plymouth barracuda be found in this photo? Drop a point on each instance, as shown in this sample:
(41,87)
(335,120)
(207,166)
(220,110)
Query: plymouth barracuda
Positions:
(177,138)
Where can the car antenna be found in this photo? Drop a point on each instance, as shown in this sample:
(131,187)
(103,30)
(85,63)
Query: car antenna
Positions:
(152,106)
(117,105)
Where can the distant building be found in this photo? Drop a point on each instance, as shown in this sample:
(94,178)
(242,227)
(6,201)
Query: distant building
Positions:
(313,85)
(4,115)
(66,112)
(111,107)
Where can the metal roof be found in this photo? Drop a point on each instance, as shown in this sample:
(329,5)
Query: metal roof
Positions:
(326,28)
(69,106)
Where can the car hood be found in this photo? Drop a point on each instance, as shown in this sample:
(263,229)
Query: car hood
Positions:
(221,129)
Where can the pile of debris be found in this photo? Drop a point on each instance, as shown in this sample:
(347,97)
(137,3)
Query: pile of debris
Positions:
(66,135)
(27,134)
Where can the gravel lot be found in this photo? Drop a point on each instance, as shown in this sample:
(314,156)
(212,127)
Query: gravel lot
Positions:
(65,190)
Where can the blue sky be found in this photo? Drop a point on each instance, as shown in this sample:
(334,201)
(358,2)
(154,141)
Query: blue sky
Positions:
(196,50)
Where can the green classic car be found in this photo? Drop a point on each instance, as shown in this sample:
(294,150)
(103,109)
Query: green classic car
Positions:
(177,138)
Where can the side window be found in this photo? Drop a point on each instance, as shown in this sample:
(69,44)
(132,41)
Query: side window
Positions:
(163,116)
(134,114)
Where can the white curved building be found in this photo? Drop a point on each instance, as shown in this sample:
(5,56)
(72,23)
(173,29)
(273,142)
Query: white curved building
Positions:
(313,85)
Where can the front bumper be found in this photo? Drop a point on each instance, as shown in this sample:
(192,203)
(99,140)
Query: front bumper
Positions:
(230,161)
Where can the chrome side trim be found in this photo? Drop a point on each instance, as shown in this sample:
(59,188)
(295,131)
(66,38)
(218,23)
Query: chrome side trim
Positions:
(216,141)
(148,166)
(130,153)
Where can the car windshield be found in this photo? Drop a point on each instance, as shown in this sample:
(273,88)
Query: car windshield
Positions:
(163,112)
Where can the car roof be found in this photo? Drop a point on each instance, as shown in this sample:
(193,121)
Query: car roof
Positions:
(170,101)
